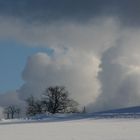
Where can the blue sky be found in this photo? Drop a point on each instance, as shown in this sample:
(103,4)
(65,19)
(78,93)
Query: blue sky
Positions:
(13,58)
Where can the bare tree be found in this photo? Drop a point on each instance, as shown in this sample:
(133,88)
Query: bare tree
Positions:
(38,107)
(72,106)
(84,110)
(30,111)
(56,100)
(11,111)
(7,112)
(33,106)
(18,111)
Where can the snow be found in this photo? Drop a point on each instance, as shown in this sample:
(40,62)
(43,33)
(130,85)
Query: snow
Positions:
(76,129)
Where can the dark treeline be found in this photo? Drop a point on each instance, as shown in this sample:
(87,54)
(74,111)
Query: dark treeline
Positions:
(54,100)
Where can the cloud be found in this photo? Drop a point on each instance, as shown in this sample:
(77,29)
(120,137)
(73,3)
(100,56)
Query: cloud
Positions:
(96,36)
(120,74)
(74,62)
(103,77)
(77,72)
(11,98)
(80,11)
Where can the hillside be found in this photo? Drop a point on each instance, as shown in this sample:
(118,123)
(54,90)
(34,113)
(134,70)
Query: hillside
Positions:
(129,112)
(116,124)
(85,129)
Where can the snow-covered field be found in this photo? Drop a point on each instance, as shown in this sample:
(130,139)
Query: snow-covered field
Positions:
(82,129)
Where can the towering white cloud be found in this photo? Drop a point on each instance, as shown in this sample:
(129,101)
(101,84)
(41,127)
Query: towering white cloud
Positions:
(77,72)
(120,73)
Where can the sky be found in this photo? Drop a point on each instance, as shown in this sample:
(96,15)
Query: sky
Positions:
(13,56)
(89,46)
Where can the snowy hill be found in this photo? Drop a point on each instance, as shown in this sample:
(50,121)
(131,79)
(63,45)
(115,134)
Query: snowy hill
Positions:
(83,129)
(135,109)
(130,112)
(115,125)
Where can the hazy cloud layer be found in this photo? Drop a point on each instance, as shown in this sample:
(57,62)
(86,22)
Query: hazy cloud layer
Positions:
(11,98)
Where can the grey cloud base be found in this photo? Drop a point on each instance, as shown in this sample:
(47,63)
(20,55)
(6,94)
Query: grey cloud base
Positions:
(80,11)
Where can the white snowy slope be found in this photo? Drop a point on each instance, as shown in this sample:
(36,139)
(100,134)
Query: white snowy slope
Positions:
(84,129)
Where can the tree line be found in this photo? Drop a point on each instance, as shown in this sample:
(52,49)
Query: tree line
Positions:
(54,100)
